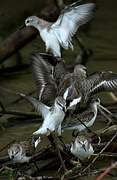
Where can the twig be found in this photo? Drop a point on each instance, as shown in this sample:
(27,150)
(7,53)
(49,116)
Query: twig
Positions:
(107,155)
(26,177)
(20,113)
(115,135)
(93,172)
(7,145)
(2,106)
(107,170)
(4,89)
(107,117)
(55,144)
(71,171)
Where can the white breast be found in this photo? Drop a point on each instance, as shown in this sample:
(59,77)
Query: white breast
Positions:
(51,42)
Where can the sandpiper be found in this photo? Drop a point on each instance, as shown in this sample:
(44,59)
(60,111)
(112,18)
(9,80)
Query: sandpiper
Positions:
(53,116)
(87,86)
(60,33)
(81,148)
(52,83)
(22,152)
(84,119)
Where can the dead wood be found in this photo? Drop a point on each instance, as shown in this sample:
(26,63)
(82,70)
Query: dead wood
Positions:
(15,41)
(20,113)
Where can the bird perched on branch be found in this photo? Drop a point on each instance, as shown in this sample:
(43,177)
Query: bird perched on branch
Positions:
(60,33)
(23,151)
(81,148)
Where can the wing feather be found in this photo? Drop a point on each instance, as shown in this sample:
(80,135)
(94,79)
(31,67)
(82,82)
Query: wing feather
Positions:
(101,81)
(69,21)
(42,71)
(39,106)
(84,117)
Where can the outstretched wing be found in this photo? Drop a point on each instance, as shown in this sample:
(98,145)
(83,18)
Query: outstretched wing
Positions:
(101,81)
(80,122)
(42,71)
(39,107)
(69,21)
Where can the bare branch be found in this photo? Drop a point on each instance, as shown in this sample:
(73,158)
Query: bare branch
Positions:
(107,170)
(20,113)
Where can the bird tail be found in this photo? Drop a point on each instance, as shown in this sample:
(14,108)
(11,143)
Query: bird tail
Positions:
(40,131)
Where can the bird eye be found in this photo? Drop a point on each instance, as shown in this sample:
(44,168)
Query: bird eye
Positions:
(16,152)
(27,21)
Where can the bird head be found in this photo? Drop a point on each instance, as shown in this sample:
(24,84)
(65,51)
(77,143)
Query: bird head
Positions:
(61,103)
(95,101)
(80,70)
(82,142)
(15,152)
(32,21)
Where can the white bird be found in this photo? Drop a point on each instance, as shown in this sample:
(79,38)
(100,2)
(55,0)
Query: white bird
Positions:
(53,116)
(22,152)
(61,32)
(81,148)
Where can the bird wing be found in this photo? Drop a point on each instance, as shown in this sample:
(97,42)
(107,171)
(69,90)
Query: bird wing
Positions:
(83,117)
(100,81)
(42,71)
(65,83)
(39,106)
(69,21)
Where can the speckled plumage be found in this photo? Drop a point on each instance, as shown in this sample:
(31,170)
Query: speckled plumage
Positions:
(87,117)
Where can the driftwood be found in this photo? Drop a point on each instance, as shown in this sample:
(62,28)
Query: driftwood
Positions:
(20,113)
(15,41)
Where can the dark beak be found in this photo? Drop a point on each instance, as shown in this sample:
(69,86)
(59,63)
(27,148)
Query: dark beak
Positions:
(12,156)
(22,26)
(84,147)
(67,103)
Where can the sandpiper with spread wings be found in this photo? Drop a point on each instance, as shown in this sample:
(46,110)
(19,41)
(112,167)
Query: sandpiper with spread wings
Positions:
(87,86)
(50,85)
(53,116)
(60,33)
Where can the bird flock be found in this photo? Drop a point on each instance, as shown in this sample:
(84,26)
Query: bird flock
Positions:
(61,91)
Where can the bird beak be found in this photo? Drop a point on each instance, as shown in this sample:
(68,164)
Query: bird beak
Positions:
(67,103)
(12,156)
(84,147)
(22,26)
